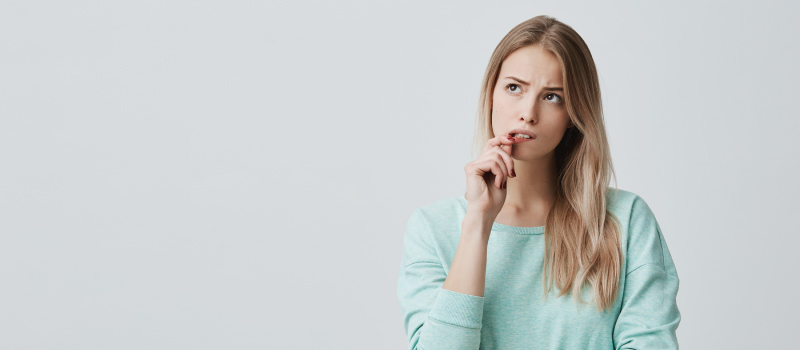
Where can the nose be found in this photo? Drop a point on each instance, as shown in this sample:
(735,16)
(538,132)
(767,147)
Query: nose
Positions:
(529,110)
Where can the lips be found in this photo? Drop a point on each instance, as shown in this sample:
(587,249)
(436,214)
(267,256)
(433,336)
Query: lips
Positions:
(522,131)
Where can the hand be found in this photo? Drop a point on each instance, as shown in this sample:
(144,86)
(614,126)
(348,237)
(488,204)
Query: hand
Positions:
(493,167)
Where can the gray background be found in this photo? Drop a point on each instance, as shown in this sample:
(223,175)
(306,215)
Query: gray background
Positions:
(238,174)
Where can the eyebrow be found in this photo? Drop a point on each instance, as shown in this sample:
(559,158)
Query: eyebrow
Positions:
(526,83)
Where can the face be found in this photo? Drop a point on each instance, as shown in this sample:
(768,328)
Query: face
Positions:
(529,95)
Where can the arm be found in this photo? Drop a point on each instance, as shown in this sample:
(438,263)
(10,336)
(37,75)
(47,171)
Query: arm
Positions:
(435,317)
(649,317)
(468,271)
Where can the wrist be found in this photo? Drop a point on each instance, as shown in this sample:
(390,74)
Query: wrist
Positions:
(476,224)
(479,217)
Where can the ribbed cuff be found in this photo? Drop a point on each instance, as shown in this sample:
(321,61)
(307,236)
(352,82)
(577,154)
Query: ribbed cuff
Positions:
(458,309)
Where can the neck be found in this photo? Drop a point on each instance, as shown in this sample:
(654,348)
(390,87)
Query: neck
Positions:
(533,191)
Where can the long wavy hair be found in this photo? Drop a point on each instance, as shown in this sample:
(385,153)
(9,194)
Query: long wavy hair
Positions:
(580,240)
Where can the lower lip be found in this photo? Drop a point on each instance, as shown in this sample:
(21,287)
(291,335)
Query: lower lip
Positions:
(521,140)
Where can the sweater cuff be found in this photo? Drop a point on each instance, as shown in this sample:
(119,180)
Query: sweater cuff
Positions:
(458,309)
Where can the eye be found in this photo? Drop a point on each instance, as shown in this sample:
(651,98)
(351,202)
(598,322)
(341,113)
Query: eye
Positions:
(512,84)
(551,94)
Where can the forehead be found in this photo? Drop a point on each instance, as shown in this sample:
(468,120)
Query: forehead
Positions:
(534,64)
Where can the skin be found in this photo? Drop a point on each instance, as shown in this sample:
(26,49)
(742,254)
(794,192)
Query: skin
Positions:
(529,106)
(493,193)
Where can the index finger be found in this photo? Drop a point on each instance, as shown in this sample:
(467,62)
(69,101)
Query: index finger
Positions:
(502,140)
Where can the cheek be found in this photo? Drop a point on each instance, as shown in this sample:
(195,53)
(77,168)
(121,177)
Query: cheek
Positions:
(497,99)
(560,120)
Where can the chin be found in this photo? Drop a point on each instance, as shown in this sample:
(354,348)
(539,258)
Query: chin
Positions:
(530,154)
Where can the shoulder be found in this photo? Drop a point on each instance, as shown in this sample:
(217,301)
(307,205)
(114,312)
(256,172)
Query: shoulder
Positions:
(443,212)
(628,206)
(433,228)
(622,199)
(641,234)
(439,220)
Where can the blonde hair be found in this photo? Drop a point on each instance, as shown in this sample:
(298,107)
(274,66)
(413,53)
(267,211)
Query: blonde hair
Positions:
(580,239)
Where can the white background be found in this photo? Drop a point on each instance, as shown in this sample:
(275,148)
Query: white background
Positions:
(239,174)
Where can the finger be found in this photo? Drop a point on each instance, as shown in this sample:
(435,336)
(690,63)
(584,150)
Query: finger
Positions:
(500,179)
(496,164)
(505,148)
(491,163)
(509,162)
(498,141)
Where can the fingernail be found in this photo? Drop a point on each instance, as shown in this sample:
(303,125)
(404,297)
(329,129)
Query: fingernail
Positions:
(512,173)
(510,138)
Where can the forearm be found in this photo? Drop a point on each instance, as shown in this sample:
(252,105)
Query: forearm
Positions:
(467,273)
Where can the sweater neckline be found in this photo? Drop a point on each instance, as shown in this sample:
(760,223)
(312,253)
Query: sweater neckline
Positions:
(530,230)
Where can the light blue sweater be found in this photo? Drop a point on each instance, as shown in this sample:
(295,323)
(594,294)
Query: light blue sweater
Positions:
(513,314)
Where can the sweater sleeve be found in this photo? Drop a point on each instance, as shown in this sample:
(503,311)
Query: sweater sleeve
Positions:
(433,318)
(649,316)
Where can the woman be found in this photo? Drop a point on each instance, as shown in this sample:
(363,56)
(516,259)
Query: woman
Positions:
(478,271)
